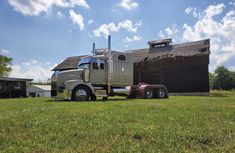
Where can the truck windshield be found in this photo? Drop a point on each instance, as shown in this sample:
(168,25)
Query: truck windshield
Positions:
(84,66)
(85,62)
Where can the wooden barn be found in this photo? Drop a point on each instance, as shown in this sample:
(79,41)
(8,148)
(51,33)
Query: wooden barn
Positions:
(183,68)
(13,87)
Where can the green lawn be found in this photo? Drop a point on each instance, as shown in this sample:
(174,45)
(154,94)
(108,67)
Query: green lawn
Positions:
(177,124)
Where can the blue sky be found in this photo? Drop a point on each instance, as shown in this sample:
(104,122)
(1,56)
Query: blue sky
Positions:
(38,34)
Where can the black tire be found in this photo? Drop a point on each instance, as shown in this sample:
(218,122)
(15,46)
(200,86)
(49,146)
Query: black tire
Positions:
(105,98)
(93,97)
(81,93)
(149,94)
(161,93)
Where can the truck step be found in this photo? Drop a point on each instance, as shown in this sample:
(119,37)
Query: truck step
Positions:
(98,88)
(102,95)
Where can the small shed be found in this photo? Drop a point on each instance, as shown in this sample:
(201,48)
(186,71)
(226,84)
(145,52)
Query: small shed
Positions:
(39,91)
(13,87)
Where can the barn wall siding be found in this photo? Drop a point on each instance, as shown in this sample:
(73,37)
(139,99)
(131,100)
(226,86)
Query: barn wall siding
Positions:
(13,89)
(179,74)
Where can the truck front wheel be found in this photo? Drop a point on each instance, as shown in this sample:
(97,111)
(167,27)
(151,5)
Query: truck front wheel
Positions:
(81,93)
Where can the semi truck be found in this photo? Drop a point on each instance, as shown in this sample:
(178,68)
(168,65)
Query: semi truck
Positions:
(103,74)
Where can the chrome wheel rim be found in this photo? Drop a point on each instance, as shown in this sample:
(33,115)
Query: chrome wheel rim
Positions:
(161,93)
(81,94)
(149,94)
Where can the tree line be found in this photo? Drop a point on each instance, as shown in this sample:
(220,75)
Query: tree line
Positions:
(222,79)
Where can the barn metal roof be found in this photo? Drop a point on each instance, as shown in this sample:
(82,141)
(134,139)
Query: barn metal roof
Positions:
(201,47)
(39,87)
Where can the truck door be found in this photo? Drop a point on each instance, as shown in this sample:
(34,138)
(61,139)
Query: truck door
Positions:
(122,70)
(98,72)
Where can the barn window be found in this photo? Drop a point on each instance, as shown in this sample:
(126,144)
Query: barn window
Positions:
(122,58)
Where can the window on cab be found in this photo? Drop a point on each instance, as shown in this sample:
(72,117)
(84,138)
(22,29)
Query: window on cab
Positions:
(98,65)
(121,57)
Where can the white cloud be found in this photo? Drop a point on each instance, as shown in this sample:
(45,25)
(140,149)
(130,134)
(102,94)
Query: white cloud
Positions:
(31,62)
(213,10)
(131,39)
(128,25)
(71,3)
(105,29)
(36,7)
(59,14)
(33,70)
(188,10)
(5,51)
(30,7)
(90,21)
(128,4)
(194,11)
(77,19)
(221,32)
(169,32)
(82,3)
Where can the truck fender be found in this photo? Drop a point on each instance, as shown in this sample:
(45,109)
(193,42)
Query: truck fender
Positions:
(71,84)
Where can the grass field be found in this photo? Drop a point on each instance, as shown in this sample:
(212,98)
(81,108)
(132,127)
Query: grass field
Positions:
(177,124)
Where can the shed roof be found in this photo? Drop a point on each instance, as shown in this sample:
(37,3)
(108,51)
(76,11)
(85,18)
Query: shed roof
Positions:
(35,88)
(15,79)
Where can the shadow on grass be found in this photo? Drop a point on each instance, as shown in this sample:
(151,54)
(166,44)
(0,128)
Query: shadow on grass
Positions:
(98,100)
(218,95)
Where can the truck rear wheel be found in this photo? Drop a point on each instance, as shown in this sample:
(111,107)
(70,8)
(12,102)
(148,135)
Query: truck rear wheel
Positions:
(161,93)
(149,93)
(81,93)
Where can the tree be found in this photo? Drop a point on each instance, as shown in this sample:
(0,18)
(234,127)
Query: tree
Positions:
(211,80)
(223,79)
(5,65)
